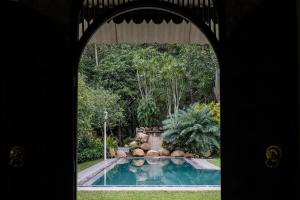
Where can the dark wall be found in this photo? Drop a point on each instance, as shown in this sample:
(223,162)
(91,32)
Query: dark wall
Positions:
(259,94)
(36,105)
(260,104)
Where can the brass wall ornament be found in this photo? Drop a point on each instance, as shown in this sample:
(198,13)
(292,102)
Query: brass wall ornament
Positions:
(17,156)
(273,156)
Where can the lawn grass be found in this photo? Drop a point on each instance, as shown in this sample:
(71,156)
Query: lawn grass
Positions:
(149,195)
(215,161)
(84,165)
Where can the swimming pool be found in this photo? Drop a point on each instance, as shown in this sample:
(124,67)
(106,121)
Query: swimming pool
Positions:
(155,172)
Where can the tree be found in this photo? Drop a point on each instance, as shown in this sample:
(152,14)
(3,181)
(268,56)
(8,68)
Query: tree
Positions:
(201,65)
(105,100)
(146,62)
(173,73)
(85,106)
(92,102)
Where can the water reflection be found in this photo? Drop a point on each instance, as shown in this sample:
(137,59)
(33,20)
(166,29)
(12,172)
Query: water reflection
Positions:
(178,161)
(158,171)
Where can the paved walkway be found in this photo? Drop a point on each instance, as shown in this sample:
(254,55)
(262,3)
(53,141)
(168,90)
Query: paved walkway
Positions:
(92,171)
(199,163)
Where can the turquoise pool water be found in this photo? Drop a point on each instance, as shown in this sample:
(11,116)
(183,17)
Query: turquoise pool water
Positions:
(157,172)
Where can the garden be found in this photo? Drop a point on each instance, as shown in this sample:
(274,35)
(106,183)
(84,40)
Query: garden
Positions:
(168,86)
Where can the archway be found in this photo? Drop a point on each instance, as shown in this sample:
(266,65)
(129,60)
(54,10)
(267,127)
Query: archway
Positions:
(160,7)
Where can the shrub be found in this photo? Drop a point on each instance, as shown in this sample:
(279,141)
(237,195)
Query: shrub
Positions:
(127,140)
(193,130)
(147,112)
(89,148)
(215,107)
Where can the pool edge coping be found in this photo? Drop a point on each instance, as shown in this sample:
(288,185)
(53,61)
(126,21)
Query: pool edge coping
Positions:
(162,188)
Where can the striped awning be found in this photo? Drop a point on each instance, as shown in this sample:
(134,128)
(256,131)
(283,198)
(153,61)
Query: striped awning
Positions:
(148,32)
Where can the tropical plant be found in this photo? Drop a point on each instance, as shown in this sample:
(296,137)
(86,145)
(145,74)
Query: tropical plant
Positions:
(112,142)
(147,112)
(215,107)
(192,130)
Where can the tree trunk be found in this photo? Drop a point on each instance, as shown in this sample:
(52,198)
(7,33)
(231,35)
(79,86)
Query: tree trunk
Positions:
(96,54)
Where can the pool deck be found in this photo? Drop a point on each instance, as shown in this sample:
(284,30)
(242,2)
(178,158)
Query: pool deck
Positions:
(200,163)
(87,176)
(92,171)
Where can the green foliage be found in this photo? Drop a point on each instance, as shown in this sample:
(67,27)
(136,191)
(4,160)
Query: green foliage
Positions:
(88,148)
(85,107)
(105,100)
(141,84)
(116,74)
(147,112)
(111,142)
(92,102)
(215,107)
(194,130)
(127,140)
(201,64)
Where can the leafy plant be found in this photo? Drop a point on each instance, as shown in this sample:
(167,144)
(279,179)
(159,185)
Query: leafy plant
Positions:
(112,142)
(127,140)
(89,148)
(147,112)
(194,130)
(213,106)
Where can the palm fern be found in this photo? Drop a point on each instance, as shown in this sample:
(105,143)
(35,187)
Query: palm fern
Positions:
(194,130)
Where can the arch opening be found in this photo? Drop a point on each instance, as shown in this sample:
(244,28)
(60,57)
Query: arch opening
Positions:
(142,47)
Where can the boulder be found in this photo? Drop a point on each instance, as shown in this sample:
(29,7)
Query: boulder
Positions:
(132,144)
(152,153)
(189,155)
(145,146)
(138,152)
(112,152)
(121,154)
(142,137)
(164,152)
(177,153)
